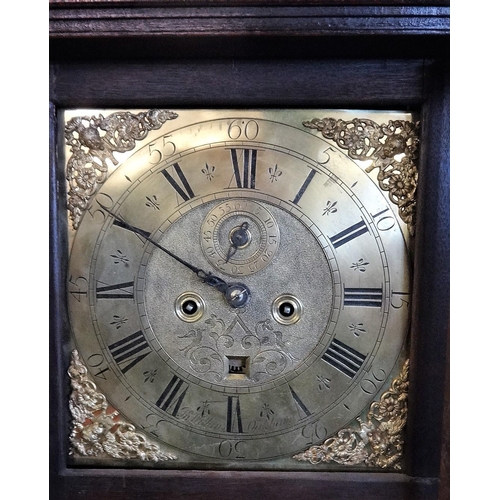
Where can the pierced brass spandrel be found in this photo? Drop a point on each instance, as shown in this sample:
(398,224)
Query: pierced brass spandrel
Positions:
(98,430)
(93,141)
(379,440)
(392,148)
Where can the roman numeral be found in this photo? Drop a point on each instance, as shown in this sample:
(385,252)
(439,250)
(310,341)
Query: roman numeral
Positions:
(301,407)
(121,289)
(303,188)
(363,297)
(130,350)
(233,418)
(344,358)
(185,192)
(171,398)
(349,234)
(244,178)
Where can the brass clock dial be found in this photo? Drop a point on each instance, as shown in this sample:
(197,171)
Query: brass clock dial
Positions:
(239,287)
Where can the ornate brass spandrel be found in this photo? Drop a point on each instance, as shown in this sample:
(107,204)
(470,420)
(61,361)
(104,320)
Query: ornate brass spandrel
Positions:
(93,142)
(391,147)
(379,440)
(98,430)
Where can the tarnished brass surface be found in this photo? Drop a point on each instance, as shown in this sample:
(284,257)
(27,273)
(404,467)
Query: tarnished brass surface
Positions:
(310,237)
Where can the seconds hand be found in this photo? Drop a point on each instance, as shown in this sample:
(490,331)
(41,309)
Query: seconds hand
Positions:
(236,294)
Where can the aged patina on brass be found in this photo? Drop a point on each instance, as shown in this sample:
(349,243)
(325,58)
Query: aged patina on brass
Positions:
(239,286)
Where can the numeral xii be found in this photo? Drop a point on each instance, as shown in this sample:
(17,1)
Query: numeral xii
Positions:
(244,175)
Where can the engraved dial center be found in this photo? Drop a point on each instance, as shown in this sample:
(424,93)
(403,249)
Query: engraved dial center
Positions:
(267,325)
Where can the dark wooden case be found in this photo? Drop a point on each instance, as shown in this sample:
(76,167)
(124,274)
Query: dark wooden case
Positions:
(251,53)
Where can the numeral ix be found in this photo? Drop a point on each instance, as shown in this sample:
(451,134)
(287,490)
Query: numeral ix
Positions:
(118,291)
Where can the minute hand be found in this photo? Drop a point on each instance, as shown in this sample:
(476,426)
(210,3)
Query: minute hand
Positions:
(235,294)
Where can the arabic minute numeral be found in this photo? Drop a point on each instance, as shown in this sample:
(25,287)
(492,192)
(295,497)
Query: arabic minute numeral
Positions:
(232,449)
(313,433)
(238,128)
(384,223)
(159,150)
(400,299)
(371,384)
(95,361)
(79,287)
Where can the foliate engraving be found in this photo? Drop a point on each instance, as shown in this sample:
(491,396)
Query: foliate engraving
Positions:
(98,430)
(210,349)
(93,141)
(379,440)
(392,148)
